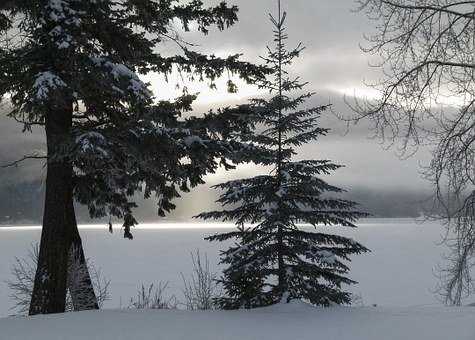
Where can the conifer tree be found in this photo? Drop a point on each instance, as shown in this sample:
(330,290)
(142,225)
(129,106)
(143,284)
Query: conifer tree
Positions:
(279,257)
(243,284)
(72,67)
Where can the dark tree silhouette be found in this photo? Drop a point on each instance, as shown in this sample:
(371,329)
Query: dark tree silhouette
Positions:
(73,68)
(279,257)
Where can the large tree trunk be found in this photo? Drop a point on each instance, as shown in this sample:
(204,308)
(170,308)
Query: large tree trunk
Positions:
(49,292)
(79,281)
(60,240)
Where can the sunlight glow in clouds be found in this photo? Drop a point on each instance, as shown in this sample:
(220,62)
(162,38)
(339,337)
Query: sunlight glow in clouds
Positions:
(369,93)
(171,89)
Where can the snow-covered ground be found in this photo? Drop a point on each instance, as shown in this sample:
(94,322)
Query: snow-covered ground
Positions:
(398,272)
(295,321)
(398,276)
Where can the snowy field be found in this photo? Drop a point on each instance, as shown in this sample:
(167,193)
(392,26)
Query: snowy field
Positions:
(295,321)
(397,276)
(398,272)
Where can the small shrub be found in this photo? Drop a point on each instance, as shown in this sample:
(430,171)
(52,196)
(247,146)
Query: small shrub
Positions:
(200,289)
(21,286)
(153,297)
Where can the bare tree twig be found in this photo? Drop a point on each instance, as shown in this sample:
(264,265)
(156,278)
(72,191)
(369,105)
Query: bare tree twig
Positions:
(426,52)
(24,158)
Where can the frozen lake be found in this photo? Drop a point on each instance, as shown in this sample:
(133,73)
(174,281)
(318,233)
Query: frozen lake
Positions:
(398,272)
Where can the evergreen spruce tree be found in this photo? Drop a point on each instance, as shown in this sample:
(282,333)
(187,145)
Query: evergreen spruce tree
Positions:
(243,283)
(279,258)
(72,67)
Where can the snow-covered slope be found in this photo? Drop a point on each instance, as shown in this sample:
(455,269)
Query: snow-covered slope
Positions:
(295,321)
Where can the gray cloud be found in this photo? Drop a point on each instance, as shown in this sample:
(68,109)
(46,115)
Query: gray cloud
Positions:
(374,176)
(332,63)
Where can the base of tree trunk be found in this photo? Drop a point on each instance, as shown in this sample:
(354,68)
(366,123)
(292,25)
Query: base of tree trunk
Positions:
(61,261)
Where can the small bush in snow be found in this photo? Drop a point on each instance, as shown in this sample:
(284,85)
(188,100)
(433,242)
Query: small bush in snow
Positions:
(153,297)
(21,285)
(200,289)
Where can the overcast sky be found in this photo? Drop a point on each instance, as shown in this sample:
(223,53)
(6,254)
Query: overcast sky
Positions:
(332,63)
(334,66)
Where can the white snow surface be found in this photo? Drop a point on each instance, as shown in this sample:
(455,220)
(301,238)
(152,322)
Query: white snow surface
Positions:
(398,276)
(399,271)
(293,321)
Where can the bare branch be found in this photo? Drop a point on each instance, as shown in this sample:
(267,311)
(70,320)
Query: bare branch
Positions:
(427,56)
(24,158)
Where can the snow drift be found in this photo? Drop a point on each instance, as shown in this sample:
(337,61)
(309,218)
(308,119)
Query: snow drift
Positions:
(294,321)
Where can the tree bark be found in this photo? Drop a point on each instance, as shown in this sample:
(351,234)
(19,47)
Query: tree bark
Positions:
(49,292)
(59,234)
(79,281)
